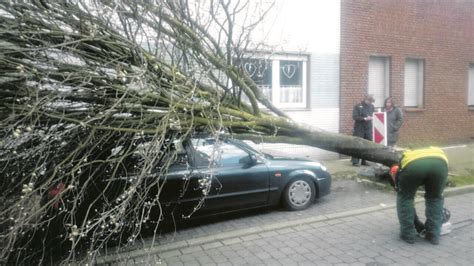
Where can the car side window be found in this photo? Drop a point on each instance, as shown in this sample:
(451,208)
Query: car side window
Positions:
(208,152)
(231,155)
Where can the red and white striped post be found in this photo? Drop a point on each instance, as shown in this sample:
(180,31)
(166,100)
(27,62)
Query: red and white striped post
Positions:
(379,130)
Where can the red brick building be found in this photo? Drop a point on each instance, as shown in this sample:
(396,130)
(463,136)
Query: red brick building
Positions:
(419,52)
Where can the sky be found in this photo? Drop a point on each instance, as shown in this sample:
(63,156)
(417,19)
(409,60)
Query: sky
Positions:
(303,26)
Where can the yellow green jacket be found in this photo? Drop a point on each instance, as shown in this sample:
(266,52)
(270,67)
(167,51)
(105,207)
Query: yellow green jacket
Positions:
(431,152)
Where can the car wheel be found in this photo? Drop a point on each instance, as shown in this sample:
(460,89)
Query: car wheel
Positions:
(299,193)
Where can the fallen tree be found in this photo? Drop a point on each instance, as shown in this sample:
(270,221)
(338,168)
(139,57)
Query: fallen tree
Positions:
(84,84)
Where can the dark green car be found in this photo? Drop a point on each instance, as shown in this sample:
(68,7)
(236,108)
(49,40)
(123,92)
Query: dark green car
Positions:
(228,175)
(207,177)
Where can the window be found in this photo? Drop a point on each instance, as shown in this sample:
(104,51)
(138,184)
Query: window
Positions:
(470,93)
(379,79)
(282,78)
(291,82)
(260,70)
(414,74)
(209,152)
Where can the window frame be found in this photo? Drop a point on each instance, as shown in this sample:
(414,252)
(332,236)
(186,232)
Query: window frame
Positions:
(276,88)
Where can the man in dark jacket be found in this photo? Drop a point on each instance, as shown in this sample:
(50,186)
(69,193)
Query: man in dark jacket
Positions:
(362,115)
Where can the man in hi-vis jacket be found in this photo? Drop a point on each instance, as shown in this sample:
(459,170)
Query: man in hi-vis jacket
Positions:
(428,167)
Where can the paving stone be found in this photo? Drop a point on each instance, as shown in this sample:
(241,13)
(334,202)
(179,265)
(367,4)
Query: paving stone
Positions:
(357,264)
(237,261)
(367,239)
(365,260)
(263,255)
(383,260)
(250,237)
(230,254)
(190,249)
(335,251)
(167,254)
(311,256)
(272,261)
(287,250)
(225,248)
(192,263)
(219,259)
(205,261)
(211,245)
(285,231)
(231,241)
(172,261)
(304,228)
(288,261)
(268,234)
(248,244)
(321,253)
(347,258)
(187,258)
(212,252)
(297,257)
(277,255)
(332,259)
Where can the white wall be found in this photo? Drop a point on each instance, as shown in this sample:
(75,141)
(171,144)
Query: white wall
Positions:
(313,27)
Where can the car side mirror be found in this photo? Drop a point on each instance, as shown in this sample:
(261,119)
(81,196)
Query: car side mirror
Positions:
(178,145)
(253,159)
(249,160)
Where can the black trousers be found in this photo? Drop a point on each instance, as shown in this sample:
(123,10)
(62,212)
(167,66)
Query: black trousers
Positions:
(367,134)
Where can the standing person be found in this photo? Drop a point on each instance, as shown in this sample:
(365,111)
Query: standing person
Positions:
(394,121)
(362,115)
(428,167)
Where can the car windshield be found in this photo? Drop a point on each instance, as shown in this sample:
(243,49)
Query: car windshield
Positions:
(209,152)
(246,146)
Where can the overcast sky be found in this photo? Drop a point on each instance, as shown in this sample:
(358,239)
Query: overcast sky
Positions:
(304,25)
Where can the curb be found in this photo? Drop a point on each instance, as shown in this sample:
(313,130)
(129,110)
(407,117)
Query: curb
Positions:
(458,190)
(237,236)
(448,192)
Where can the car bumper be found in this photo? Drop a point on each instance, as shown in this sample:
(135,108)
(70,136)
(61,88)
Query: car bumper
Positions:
(324,185)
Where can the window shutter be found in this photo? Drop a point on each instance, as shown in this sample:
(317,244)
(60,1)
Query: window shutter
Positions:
(470,96)
(378,79)
(411,83)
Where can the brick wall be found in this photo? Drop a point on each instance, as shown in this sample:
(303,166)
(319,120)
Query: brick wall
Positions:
(441,33)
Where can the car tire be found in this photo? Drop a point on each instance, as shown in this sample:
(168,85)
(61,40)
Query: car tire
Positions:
(299,193)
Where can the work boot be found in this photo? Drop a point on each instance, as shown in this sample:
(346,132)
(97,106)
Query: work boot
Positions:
(434,240)
(419,226)
(408,239)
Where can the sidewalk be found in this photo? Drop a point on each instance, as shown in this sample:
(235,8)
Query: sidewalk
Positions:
(461,161)
(360,237)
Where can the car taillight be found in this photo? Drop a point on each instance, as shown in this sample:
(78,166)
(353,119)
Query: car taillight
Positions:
(54,191)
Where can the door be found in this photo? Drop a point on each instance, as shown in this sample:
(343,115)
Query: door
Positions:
(230,177)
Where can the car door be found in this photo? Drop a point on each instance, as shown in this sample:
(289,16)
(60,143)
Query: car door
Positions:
(237,178)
